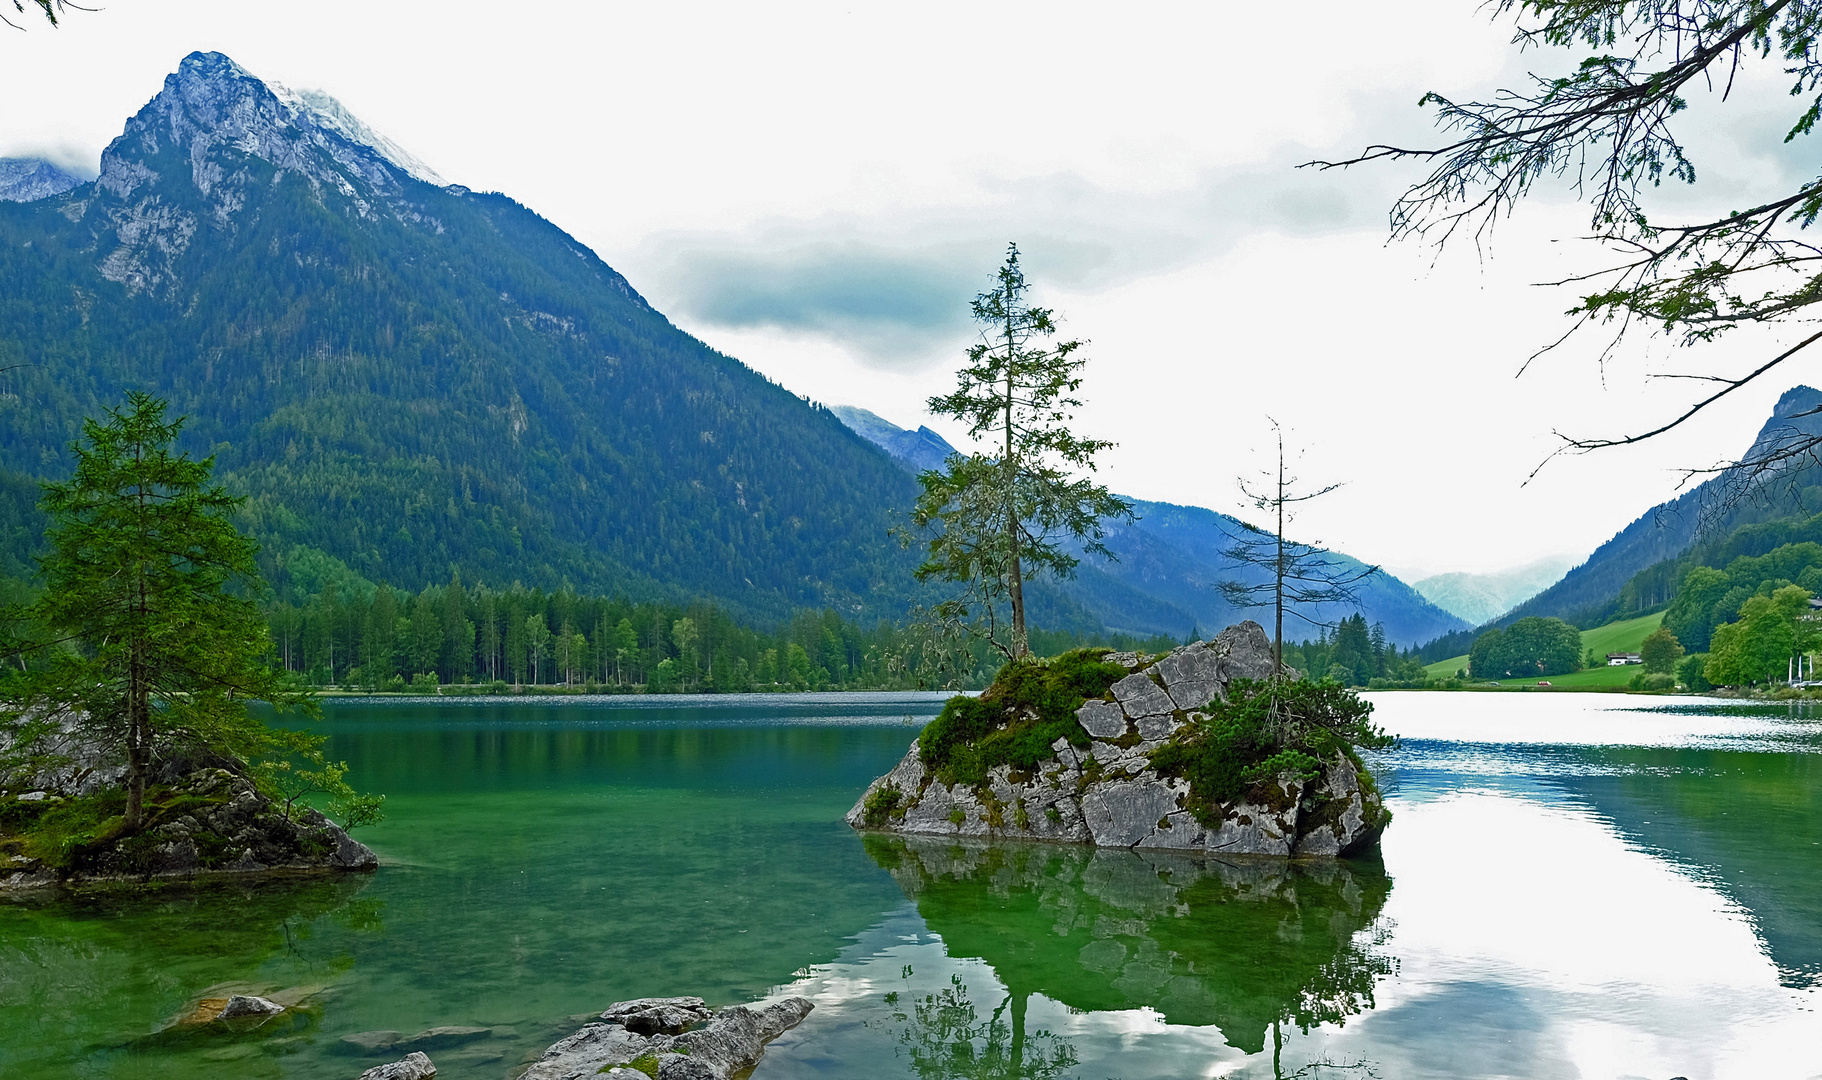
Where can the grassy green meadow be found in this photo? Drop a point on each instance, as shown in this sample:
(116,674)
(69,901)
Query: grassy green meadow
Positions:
(1624,636)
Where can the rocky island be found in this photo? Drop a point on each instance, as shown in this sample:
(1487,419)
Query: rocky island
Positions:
(1199,749)
(205,816)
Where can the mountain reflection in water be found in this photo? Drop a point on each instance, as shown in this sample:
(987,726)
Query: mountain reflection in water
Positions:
(1241,945)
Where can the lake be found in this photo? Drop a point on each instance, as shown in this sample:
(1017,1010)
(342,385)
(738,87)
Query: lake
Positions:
(1573,885)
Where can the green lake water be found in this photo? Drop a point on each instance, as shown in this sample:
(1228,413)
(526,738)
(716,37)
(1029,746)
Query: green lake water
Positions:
(1573,886)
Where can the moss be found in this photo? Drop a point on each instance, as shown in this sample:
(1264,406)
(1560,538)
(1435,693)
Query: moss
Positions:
(1020,816)
(74,834)
(882,806)
(956,816)
(1053,814)
(646,1063)
(1030,705)
(1242,747)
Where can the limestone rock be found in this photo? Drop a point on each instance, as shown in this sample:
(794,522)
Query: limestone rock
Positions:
(1193,676)
(248,1005)
(587,1053)
(370,1042)
(413,1066)
(1344,818)
(658,1016)
(1123,813)
(437,1037)
(1245,651)
(1106,793)
(1139,696)
(1102,719)
(1258,829)
(736,1038)
(240,830)
(728,1041)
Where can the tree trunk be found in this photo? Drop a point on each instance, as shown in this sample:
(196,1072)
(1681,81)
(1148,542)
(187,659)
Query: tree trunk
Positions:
(1278,593)
(1015,581)
(138,743)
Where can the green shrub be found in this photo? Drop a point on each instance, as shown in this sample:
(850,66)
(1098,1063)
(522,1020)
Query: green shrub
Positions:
(1652,682)
(1030,705)
(1264,730)
(880,805)
(1689,672)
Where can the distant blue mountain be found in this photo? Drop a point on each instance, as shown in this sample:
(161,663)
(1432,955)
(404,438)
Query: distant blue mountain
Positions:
(921,449)
(31,179)
(1168,564)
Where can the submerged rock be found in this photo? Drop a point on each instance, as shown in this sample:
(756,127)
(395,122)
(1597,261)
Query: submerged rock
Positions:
(413,1066)
(239,1005)
(706,1044)
(1107,793)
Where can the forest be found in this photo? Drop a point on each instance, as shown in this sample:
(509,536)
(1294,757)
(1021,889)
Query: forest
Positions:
(334,627)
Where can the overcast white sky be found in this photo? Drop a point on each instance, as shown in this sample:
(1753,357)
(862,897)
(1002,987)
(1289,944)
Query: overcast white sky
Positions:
(820,189)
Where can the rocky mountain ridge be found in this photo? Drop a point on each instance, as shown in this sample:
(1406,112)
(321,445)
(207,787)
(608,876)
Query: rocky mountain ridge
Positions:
(31,179)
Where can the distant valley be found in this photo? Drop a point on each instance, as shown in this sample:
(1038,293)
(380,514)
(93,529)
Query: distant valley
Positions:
(1168,565)
(1482,597)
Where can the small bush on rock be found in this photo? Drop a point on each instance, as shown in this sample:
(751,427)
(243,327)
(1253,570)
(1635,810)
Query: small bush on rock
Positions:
(1264,730)
(1014,722)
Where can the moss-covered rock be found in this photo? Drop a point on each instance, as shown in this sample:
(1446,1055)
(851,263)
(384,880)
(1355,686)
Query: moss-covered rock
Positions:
(1198,749)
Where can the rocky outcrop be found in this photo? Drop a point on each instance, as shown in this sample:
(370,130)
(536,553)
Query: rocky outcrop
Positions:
(413,1066)
(209,821)
(670,1038)
(1107,794)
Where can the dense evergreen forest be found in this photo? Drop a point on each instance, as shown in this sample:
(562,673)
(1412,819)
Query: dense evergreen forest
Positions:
(1354,655)
(334,627)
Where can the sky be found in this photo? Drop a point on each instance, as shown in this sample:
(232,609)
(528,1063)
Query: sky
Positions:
(820,189)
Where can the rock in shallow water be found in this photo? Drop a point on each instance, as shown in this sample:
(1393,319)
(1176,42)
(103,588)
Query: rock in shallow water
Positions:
(1107,795)
(724,1042)
(413,1066)
(248,1005)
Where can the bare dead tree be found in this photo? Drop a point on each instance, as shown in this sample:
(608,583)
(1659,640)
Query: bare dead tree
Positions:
(1303,575)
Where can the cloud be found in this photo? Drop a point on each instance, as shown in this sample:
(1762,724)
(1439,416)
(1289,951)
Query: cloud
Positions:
(75,160)
(890,301)
(894,289)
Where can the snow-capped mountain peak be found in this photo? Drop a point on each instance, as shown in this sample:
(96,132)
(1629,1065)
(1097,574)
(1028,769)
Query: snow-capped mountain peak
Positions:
(332,114)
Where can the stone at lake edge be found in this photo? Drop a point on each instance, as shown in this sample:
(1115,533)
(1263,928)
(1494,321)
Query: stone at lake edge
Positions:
(228,828)
(723,1042)
(248,1005)
(1125,803)
(413,1066)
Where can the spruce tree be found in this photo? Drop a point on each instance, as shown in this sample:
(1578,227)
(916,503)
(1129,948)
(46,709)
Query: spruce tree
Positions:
(1004,515)
(149,587)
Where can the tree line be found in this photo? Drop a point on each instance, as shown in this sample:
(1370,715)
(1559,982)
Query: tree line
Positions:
(333,627)
(1354,655)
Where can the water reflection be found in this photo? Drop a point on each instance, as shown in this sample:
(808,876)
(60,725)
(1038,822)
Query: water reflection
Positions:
(148,954)
(1243,946)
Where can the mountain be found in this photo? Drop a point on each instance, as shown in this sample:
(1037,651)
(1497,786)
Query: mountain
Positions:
(1168,564)
(1481,598)
(921,449)
(414,378)
(31,179)
(1590,594)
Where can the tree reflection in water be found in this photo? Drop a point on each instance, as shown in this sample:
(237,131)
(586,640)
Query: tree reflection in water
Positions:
(945,1039)
(1249,946)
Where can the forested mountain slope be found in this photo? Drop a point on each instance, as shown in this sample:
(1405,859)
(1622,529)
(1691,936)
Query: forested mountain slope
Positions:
(413,377)
(1169,563)
(1591,593)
